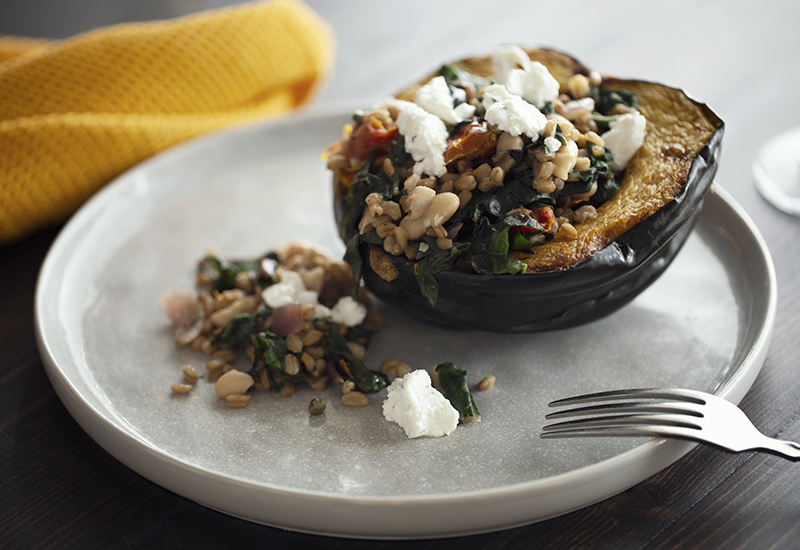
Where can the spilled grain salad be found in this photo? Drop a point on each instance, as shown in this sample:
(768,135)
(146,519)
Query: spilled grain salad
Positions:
(474,171)
(290,313)
(293,316)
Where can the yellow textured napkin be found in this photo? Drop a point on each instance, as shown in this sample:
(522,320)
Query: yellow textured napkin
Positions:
(78,112)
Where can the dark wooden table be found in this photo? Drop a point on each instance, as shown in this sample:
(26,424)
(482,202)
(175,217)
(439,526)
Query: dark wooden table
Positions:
(59,489)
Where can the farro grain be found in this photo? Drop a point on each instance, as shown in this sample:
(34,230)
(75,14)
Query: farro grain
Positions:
(291,364)
(466,182)
(567,231)
(242,280)
(487,382)
(232,382)
(446,187)
(208,347)
(401,237)
(444,243)
(578,86)
(388,167)
(355,399)
(317,384)
(385,229)
(389,366)
(226,354)
(287,390)
(264,379)
(215,364)
(585,213)
(237,401)
(582,164)
(204,279)
(482,171)
(181,388)
(498,173)
(393,210)
(595,139)
(308,362)
(402,370)
(357,350)
(463,199)
(506,163)
(316,352)
(348,386)
(484,184)
(544,185)
(198,343)
(294,343)
(312,337)
(190,374)
(545,170)
(549,128)
(507,142)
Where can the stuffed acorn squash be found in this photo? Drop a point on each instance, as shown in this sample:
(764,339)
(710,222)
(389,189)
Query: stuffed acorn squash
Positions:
(521,191)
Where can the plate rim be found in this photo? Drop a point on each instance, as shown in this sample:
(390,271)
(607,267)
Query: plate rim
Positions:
(168,471)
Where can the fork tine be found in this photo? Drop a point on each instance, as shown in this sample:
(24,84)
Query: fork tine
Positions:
(689,409)
(688,396)
(625,431)
(644,420)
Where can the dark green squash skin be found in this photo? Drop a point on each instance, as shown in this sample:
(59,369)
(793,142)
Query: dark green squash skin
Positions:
(590,290)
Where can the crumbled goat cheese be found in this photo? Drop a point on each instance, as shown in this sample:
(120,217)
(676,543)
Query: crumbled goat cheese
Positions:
(348,311)
(529,79)
(435,98)
(583,104)
(512,114)
(425,136)
(291,289)
(624,138)
(552,145)
(506,59)
(418,407)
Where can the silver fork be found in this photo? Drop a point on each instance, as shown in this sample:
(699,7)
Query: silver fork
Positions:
(685,414)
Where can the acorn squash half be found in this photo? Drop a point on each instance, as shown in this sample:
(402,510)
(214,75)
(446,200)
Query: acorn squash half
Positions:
(614,257)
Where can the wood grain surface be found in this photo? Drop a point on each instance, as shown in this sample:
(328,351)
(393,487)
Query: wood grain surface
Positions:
(60,489)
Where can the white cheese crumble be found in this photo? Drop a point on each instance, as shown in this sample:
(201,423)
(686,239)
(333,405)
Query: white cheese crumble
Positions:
(552,145)
(512,114)
(529,79)
(435,98)
(418,407)
(348,311)
(624,138)
(425,137)
(290,289)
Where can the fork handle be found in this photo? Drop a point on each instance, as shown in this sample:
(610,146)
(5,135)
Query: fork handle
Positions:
(786,449)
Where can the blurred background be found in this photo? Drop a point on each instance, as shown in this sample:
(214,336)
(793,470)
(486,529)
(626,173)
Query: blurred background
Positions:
(382,46)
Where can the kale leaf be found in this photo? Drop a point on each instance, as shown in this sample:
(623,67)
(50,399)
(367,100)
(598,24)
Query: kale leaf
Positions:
(336,347)
(452,382)
(490,244)
(605,100)
(436,260)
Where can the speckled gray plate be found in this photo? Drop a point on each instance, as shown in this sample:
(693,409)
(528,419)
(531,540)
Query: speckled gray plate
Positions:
(109,352)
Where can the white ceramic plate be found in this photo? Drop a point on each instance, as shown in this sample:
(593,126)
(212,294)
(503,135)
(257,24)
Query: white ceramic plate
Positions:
(109,353)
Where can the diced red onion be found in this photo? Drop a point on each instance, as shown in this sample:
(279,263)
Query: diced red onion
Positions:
(181,306)
(287,319)
(187,333)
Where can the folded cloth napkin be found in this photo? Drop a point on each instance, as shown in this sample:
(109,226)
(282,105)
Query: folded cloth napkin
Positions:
(78,112)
